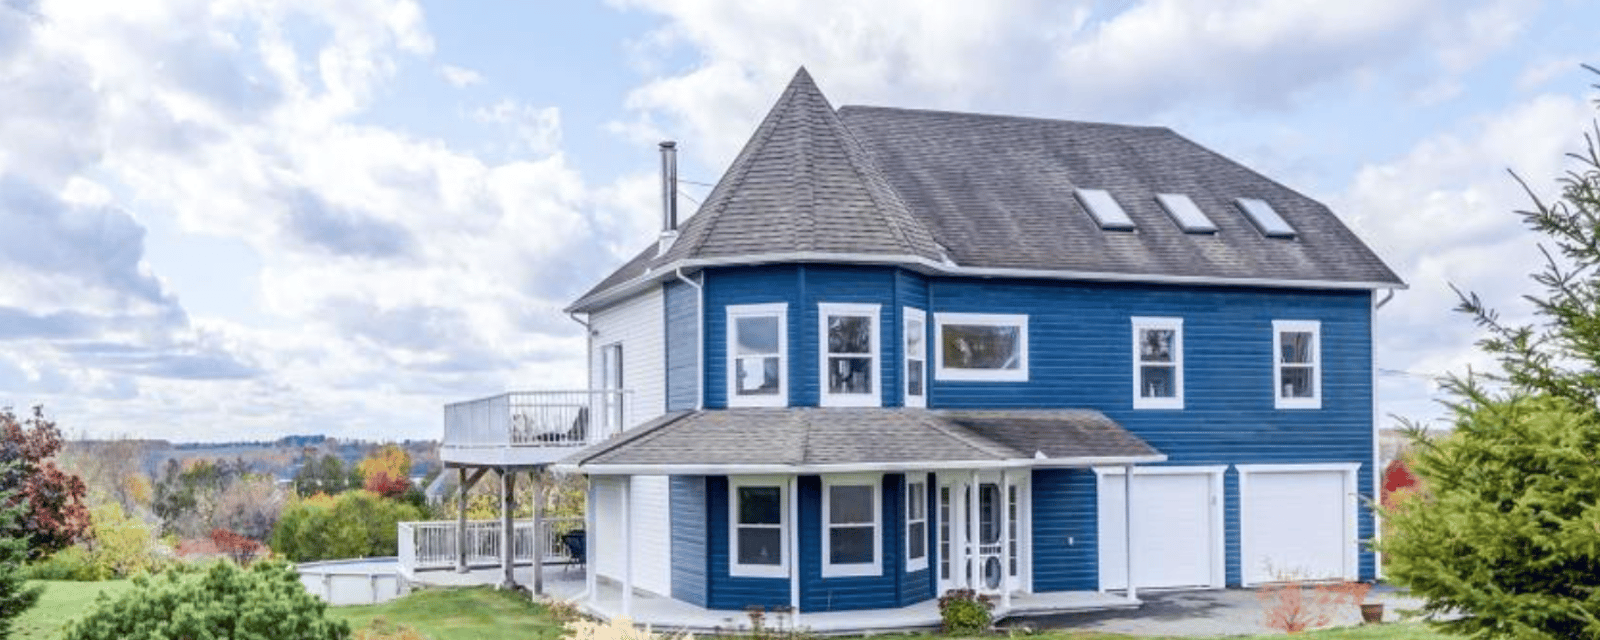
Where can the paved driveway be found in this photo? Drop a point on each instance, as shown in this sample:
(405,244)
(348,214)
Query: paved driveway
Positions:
(1203,613)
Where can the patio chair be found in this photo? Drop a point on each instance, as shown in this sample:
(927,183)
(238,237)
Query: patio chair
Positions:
(574,541)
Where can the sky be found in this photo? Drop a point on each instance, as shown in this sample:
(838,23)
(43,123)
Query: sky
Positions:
(242,219)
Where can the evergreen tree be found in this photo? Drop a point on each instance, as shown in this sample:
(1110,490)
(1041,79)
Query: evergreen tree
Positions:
(15,594)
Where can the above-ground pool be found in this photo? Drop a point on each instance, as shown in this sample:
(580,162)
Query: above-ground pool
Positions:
(359,581)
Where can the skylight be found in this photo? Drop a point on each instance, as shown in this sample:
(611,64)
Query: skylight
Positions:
(1105,210)
(1261,213)
(1190,218)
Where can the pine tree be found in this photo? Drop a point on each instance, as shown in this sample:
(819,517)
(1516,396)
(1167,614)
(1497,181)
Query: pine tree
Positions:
(15,594)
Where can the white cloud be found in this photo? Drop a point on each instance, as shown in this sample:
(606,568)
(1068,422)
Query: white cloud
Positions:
(459,77)
(538,128)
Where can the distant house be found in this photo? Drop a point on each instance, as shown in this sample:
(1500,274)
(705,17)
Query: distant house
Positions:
(897,352)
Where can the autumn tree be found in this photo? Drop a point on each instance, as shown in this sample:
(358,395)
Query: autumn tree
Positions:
(53,513)
(112,470)
(1503,534)
(387,472)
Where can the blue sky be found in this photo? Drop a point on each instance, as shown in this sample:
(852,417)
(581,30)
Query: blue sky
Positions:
(241,219)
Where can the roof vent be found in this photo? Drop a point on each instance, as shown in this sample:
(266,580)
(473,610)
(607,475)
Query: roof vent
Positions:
(669,196)
(1188,216)
(1271,224)
(1105,209)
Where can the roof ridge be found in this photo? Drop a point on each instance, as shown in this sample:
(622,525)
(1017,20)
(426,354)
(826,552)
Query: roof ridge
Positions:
(862,163)
(1005,116)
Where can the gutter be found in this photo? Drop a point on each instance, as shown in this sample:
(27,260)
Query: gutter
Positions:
(854,467)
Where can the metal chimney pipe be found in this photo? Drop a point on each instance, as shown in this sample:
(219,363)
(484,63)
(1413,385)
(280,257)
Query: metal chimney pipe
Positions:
(669,186)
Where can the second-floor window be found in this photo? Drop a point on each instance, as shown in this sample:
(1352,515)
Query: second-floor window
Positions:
(982,346)
(916,341)
(1297,364)
(758,355)
(849,354)
(1158,363)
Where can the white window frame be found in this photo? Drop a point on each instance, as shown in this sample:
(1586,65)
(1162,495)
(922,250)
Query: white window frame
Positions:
(917,564)
(780,570)
(914,315)
(1020,374)
(842,570)
(1314,327)
(874,397)
(1175,325)
(736,311)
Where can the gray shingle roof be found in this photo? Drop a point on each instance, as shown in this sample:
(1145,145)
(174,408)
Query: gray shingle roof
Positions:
(944,191)
(807,437)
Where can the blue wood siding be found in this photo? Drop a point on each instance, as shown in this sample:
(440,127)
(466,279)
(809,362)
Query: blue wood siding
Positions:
(891,588)
(724,590)
(688,506)
(681,306)
(1065,530)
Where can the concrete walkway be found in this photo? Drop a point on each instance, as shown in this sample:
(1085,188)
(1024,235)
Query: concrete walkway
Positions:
(1204,613)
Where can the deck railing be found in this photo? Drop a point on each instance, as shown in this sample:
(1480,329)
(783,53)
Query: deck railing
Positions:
(432,545)
(535,419)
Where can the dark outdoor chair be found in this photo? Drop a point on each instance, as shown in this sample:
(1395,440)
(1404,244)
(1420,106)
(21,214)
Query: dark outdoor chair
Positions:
(574,541)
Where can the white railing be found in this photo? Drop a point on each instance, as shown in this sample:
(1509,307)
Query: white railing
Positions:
(535,419)
(432,545)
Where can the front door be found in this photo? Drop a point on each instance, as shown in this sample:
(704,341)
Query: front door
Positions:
(982,532)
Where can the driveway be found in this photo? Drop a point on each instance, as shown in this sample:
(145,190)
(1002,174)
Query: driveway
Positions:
(1204,613)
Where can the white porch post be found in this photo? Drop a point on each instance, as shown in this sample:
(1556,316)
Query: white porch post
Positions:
(461,520)
(972,559)
(794,551)
(589,538)
(1005,539)
(508,532)
(539,530)
(627,555)
(1127,526)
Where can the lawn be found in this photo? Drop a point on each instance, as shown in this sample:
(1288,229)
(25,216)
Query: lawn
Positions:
(61,602)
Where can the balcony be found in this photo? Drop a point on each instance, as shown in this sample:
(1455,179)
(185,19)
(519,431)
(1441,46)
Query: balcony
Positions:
(530,427)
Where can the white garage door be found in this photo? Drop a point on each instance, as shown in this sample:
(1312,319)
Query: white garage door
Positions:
(1297,522)
(1177,528)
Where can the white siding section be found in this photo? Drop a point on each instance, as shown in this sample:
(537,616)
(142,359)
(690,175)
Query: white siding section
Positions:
(652,544)
(607,551)
(639,324)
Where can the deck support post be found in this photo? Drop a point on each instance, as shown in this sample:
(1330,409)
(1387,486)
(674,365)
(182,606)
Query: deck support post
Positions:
(627,555)
(539,531)
(461,520)
(1005,539)
(590,536)
(508,531)
(1127,527)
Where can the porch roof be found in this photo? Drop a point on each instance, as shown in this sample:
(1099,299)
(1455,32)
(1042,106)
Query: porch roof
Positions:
(805,439)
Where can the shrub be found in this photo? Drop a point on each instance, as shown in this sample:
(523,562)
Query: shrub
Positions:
(264,601)
(352,524)
(122,545)
(72,563)
(964,611)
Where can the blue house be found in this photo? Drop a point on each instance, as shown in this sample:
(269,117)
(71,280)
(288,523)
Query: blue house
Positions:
(898,352)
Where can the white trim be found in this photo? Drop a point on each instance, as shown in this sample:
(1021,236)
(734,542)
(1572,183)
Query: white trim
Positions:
(1218,524)
(1350,557)
(1314,327)
(735,311)
(1175,325)
(910,314)
(1019,374)
(927,266)
(780,570)
(858,467)
(916,564)
(1378,467)
(874,396)
(874,568)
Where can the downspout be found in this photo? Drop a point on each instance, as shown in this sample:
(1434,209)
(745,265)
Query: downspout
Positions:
(1387,296)
(589,592)
(699,338)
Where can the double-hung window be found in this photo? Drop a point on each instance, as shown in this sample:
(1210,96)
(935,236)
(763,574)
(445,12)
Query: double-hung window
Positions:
(1297,364)
(1158,363)
(916,353)
(851,544)
(849,354)
(758,516)
(981,346)
(757,355)
(916,524)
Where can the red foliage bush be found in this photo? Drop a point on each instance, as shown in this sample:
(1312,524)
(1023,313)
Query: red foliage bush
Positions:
(53,513)
(238,547)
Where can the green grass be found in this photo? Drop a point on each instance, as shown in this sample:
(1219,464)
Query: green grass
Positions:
(459,614)
(60,602)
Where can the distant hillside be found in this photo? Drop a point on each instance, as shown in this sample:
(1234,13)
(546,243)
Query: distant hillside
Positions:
(280,458)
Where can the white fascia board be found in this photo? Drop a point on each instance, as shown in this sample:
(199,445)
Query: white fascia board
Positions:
(924,265)
(785,469)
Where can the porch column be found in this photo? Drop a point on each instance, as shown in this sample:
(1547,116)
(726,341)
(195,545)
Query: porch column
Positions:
(590,536)
(539,530)
(794,552)
(1127,527)
(627,554)
(508,532)
(461,520)
(973,558)
(1005,539)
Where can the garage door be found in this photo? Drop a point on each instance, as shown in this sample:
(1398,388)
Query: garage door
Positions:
(1297,522)
(1177,528)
